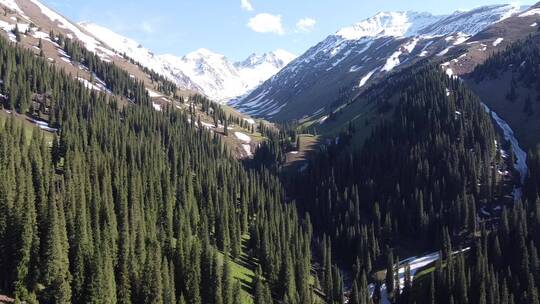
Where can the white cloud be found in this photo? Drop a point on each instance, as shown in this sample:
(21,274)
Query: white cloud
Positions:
(246,5)
(306,24)
(266,23)
(147,27)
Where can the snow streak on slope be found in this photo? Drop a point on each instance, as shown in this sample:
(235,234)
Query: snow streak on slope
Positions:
(205,71)
(90,42)
(521,156)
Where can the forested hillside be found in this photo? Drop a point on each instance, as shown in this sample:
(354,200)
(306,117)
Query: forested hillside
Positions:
(117,188)
(418,184)
(131,205)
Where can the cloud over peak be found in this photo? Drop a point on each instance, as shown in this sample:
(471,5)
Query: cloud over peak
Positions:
(266,23)
(305,24)
(246,5)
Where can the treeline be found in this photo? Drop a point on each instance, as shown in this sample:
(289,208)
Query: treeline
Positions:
(117,80)
(131,205)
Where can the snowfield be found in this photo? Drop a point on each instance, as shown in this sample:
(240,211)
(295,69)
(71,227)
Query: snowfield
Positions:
(498,41)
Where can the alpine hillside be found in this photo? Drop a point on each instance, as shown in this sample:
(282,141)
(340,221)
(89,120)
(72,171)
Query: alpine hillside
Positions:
(341,66)
(99,66)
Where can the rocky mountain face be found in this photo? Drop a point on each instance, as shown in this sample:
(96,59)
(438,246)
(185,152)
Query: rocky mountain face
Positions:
(340,67)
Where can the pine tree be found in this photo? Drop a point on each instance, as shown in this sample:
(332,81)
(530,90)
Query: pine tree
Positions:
(237,293)
(56,276)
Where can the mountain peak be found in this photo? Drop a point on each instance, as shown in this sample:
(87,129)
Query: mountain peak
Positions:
(383,24)
(202,52)
(404,24)
(278,58)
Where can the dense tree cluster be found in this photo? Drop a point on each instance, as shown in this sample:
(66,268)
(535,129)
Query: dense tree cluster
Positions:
(131,205)
(501,267)
(426,169)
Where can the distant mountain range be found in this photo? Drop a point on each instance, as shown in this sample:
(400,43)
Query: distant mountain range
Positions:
(204,71)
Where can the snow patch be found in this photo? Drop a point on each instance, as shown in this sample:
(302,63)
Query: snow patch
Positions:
(88,84)
(411,45)
(497,41)
(156,106)
(365,79)
(392,62)
(247,148)
(249,121)
(243,137)
(443,52)
(532,12)
(40,35)
(355,68)
(153,94)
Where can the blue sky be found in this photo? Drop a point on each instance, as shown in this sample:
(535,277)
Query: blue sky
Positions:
(237,28)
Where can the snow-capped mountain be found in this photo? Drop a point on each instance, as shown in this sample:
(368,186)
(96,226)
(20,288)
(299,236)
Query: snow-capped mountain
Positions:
(335,70)
(205,71)
(137,52)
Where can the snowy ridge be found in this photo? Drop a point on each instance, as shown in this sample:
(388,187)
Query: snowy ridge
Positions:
(137,52)
(203,70)
(473,21)
(387,40)
(395,24)
(407,24)
(12,5)
(91,43)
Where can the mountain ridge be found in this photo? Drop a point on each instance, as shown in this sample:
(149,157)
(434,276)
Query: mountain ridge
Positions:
(203,70)
(335,69)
